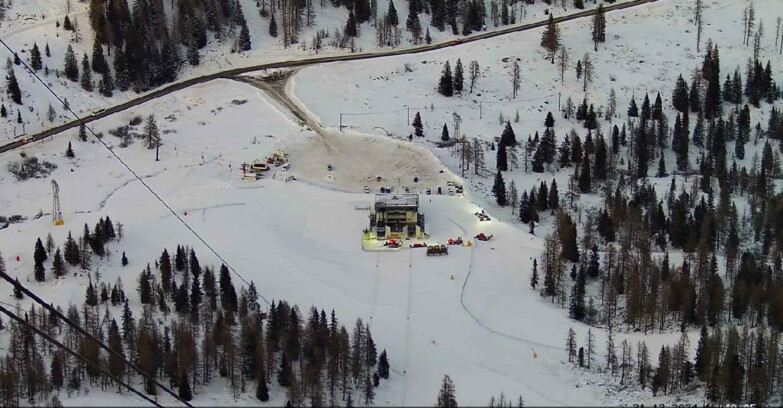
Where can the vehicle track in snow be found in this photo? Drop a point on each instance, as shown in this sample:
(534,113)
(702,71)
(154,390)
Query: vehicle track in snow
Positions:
(529,342)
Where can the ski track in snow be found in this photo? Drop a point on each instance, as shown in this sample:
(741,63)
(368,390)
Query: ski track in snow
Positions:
(408,326)
(485,326)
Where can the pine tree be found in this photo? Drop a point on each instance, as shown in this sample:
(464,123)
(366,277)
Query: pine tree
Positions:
(599,26)
(427,37)
(58,264)
(499,189)
(350,25)
(369,391)
(391,15)
(13,88)
(273,26)
(458,77)
(91,297)
(534,275)
(71,69)
(383,365)
(576,306)
(446,395)
(244,37)
(262,390)
(99,63)
(17,289)
(86,81)
(502,158)
(3,111)
(633,110)
(69,151)
(418,127)
(661,168)
(550,39)
(508,138)
(35,58)
(585,183)
(444,136)
(46,51)
(184,387)
(446,86)
(39,256)
(194,58)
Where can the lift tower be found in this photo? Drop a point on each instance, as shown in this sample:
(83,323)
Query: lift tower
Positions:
(57,214)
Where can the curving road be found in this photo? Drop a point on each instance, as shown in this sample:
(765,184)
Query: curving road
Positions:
(228,74)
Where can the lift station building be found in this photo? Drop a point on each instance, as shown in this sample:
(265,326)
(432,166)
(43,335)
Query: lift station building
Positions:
(396,216)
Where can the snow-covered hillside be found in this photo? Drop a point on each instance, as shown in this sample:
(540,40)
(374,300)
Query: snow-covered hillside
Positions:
(29,22)
(469,315)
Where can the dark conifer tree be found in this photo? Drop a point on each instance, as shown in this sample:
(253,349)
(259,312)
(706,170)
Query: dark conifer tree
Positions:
(71,69)
(383,365)
(418,127)
(184,387)
(58,264)
(680,96)
(585,182)
(444,136)
(633,110)
(391,17)
(508,137)
(13,88)
(273,27)
(69,151)
(124,259)
(446,85)
(502,158)
(499,189)
(86,81)
(91,297)
(39,257)
(576,304)
(35,58)
(459,78)
(3,111)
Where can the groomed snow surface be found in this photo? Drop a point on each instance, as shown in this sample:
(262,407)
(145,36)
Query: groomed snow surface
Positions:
(302,243)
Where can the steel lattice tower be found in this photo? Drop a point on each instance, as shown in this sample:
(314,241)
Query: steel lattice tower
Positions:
(57,215)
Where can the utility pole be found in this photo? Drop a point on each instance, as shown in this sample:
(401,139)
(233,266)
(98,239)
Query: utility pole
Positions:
(480,110)
(341,122)
(409,115)
(157,151)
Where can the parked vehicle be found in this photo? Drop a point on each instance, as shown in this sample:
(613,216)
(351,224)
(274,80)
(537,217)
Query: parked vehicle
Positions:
(482,237)
(366,189)
(457,241)
(429,191)
(437,250)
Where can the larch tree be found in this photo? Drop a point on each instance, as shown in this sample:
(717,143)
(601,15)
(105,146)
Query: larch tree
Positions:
(474,72)
(587,72)
(562,62)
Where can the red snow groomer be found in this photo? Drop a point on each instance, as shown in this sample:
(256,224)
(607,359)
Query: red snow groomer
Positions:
(482,216)
(482,237)
(419,245)
(392,243)
(457,241)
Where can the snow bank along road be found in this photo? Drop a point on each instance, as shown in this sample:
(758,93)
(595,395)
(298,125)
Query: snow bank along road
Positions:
(305,62)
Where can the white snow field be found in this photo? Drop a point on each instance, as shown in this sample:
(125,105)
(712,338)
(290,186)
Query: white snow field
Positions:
(470,314)
(647,47)
(34,21)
